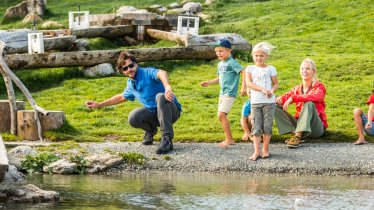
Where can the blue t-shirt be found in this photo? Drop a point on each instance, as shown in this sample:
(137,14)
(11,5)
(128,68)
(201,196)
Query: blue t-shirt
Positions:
(229,76)
(145,87)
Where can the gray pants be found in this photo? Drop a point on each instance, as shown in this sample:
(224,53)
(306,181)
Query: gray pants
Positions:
(309,122)
(262,115)
(167,114)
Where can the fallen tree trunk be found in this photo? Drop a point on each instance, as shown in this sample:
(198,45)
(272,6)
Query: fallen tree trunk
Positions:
(166,35)
(102,31)
(91,58)
(50,43)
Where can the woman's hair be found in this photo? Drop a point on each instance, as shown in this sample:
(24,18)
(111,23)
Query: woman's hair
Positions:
(122,59)
(312,65)
(264,46)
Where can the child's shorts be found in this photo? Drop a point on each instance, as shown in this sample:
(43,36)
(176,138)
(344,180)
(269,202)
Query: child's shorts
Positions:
(246,111)
(225,104)
(364,121)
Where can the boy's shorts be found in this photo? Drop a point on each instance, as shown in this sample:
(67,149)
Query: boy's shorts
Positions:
(225,104)
(364,121)
(246,111)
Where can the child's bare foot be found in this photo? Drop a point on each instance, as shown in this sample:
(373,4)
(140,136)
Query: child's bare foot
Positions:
(360,142)
(247,137)
(226,144)
(265,155)
(254,156)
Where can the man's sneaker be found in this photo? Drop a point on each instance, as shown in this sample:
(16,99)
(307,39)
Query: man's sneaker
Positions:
(148,137)
(287,140)
(294,142)
(166,145)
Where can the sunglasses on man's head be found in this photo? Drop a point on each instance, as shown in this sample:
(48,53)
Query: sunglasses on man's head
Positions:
(124,68)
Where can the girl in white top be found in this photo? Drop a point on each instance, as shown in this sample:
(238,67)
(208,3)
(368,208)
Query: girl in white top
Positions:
(261,80)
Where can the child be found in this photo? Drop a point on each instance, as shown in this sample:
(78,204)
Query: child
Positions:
(364,123)
(245,121)
(262,80)
(228,72)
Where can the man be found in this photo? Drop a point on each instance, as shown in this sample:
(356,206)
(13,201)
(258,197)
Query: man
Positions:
(151,87)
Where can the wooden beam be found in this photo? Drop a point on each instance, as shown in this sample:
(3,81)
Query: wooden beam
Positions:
(166,35)
(237,41)
(98,31)
(91,58)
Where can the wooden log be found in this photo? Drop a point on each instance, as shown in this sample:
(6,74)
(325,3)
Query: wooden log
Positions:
(4,162)
(27,126)
(5,114)
(166,35)
(103,31)
(92,58)
(51,43)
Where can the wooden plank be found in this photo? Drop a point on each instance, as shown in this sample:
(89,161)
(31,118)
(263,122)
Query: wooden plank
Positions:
(91,58)
(4,162)
(103,31)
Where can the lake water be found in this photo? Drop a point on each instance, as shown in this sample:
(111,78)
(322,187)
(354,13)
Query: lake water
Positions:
(204,191)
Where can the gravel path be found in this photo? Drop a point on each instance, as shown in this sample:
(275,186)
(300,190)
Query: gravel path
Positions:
(310,158)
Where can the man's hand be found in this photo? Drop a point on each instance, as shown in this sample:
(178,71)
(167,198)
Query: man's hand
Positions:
(287,103)
(92,104)
(169,95)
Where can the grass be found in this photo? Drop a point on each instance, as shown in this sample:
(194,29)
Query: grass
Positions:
(337,35)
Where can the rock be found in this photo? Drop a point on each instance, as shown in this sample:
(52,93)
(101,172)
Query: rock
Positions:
(31,17)
(13,175)
(204,17)
(103,69)
(18,11)
(125,9)
(36,6)
(192,7)
(102,19)
(21,10)
(174,5)
(209,2)
(51,24)
(177,11)
(98,163)
(28,194)
(18,154)
(81,43)
(61,167)
(130,41)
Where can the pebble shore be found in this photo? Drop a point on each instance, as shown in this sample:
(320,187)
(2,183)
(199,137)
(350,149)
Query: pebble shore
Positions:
(309,159)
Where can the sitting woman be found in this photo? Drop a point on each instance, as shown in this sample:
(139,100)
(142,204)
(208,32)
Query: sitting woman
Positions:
(310,118)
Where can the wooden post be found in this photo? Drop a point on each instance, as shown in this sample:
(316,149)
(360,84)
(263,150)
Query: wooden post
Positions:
(27,126)
(5,69)
(5,115)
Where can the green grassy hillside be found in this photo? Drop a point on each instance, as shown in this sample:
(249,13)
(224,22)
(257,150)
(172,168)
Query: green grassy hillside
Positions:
(338,35)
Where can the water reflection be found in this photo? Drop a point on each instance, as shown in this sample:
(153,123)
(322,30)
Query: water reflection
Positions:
(205,191)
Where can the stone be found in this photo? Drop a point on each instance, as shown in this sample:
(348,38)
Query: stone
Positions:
(13,175)
(103,69)
(51,24)
(31,17)
(130,41)
(125,9)
(177,11)
(192,7)
(18,11)
(98,163)
(174,5)
(102,19)
(81,44)
(61,167)
(18,154)
(28,194)
(209,2)
(36,6)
